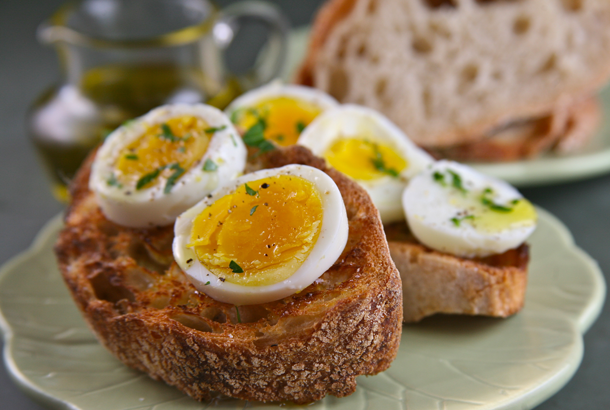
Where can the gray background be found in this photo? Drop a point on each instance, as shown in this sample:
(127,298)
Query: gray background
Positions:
(27,68)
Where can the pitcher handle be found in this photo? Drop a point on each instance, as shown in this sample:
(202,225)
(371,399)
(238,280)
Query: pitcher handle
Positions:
(271,60)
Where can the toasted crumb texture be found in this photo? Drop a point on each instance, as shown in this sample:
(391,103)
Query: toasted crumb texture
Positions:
(145,311)
(435,282)
(449,71)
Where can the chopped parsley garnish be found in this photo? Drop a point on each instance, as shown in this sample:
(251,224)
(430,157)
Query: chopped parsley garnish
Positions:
(253,210)
(379,163)
(485,200)
(250,191)
(167,133)
(440,178)
(209,165)
(131,156)
(212,130)
(280,137)
(146,179)
(456,181)
(207,283)
(233,139)
(112,181)
(255,137)
(238,317)
(235,267)
(300,126)
(171,181)
(457,220)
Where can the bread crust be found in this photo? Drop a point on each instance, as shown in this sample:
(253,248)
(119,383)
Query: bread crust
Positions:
(335,12)
(563,131)
(435,282)
(144,310)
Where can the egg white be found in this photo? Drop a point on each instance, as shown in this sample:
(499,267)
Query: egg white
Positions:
(355,121)
(429,208)
(151,206)
(326,250)
(277,89)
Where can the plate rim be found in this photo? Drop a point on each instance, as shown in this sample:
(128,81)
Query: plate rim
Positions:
(529,399)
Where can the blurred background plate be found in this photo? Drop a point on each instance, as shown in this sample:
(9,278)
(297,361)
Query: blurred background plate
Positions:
(448,362)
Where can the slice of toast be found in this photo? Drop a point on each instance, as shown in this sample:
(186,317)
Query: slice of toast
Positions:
(563,131)
(449,72)
(435,282)
(144,310)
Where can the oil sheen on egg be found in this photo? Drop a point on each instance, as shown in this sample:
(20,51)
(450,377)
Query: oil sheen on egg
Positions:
(454,209)
(153,168)
(281,111)
(370,149)
(265,236)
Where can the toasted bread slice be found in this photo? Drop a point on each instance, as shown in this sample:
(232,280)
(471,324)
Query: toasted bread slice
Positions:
(435,282)
(449,72)
(144,310)
(563,131)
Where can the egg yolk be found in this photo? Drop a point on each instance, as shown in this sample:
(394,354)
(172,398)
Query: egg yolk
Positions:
(165,151)
(285,118)
(261,233)
(487,216)
(364,160)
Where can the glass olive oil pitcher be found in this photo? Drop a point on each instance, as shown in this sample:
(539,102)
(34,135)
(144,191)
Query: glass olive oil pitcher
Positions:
(121,58)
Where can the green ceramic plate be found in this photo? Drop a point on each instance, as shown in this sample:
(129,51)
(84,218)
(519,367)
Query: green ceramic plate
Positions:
(445,362)
(593,160)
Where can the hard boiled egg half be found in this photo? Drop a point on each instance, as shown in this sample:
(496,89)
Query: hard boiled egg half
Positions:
(454,209)
(152,169)
(370,149)
(264,236)
(278,113)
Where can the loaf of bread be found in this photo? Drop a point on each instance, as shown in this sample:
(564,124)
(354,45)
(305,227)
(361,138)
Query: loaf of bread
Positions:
(435,282)
(455,72)
(145,311)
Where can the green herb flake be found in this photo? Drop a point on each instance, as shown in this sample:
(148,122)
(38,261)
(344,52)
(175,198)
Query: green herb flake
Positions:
(207,283)
(167,133)
(148,178)
(485,200)
(233,139)
(253,210)
(112,181)
(280,137)
(457,220)
(209,165)
(255,137)
(238,317)
(300,126)
(250,191)
(456,181)
(133,157)
(171,181)
(379,163)
(439,178)
(213,130)
(235,267)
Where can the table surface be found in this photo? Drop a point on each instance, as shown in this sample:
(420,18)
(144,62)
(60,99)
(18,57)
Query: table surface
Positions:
(26,69)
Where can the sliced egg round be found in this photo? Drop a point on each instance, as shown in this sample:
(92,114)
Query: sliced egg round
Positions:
(370,149)
(153,168)
(263,237)
(279,112)
(454,209)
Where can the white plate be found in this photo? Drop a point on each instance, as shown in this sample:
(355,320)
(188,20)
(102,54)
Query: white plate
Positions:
(593,160)
(445,362)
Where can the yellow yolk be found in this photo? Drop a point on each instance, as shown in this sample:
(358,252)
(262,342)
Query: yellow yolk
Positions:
(266,228)
(154,155)
(285,118)
(363,160)
(519,214)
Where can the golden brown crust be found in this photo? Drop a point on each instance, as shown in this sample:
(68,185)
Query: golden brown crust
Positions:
(435,282)
(145,311)
(331,13)
(564,130)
